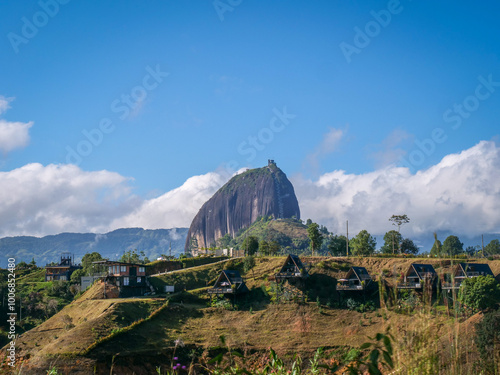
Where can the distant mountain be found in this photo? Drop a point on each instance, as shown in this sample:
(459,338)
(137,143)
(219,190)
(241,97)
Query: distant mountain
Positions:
(256,193)
(110,245)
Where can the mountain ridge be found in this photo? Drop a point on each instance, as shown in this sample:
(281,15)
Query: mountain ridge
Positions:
(111,245)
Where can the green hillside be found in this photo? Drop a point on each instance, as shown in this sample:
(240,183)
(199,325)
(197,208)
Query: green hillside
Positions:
(289,233)
(126,336)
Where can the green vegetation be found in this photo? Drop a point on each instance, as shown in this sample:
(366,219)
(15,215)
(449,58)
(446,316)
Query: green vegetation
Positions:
(452,246)
(315,237)
(488,342)
(250,245)
(408,247)
(88,267)
(38,300)
(479,293)
(493,248)
(392,240)
(399,220)
(132,256)
(363,244)
(294,318)
(436,250)
(283,236)
(337,246)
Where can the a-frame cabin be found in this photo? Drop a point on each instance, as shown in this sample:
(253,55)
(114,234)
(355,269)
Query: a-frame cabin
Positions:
(356,279)
(229,282)
(466,270)
(292,269)
(417,276)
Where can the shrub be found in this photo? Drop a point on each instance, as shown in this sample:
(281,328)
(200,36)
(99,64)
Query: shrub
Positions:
(488,341)
(479,293)
(351,304)
(248,263)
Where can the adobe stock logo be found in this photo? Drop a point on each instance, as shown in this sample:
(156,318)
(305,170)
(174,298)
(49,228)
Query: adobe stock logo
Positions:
(124,106)
(222,7)
(30,27)
(265,135)
(455,115)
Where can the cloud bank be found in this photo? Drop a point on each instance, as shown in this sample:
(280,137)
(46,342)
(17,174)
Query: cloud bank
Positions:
(13,135)
(39,200)
(461,193)
(176,208)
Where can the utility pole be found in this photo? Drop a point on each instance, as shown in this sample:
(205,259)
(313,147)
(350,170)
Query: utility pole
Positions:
(392,243)
(347,238)
(170,251)
(482,243)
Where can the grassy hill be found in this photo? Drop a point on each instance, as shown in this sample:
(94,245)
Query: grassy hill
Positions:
(289,233)
(137,335)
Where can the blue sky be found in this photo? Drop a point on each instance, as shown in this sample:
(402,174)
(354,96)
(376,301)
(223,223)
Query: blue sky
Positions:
(199,80)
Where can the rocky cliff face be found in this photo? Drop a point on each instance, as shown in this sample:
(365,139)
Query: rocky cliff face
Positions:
(257,192)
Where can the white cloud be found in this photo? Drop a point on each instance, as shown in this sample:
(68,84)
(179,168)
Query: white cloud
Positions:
(40,200)
(4,103)
(13,135)
(461,193)
(176,208)
(329,144)
(389,151)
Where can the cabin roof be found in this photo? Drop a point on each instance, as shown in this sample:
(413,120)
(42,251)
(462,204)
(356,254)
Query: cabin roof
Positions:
(360,272)
(420,269)
(295,260)
(232,275)
(475,267)
(234,278)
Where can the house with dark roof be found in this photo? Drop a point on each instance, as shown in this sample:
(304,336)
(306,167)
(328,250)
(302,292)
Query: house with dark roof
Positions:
(356,279)
(292,269)
(130,278)
(463,271)
(228,282)
(417,276)
(61,271)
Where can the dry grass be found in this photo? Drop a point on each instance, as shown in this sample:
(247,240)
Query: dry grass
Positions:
(424,342)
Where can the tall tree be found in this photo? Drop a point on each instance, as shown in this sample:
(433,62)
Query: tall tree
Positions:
(132,256)
(436,250)
(337,245)
(452,246)
(399,220)
(264,247)
(363,244)
(408,247)
(89,267)
(250,245)
(274,247)
(492,248)
(472,250)
(315,237)
(392,239)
